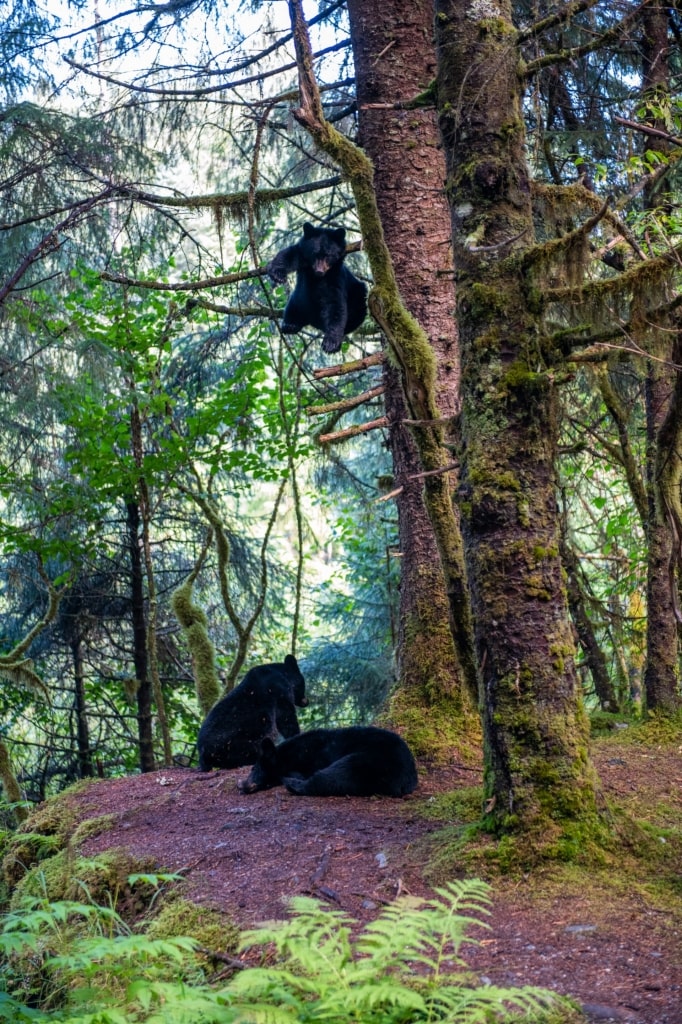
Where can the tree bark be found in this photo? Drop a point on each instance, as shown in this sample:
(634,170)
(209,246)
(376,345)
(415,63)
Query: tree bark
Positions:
(538,776)
(394,61)
(144,688)
(661,672)
(82,732)
(594,655)
(408,343)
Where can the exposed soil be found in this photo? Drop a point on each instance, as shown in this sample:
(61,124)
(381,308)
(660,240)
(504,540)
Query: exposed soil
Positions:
(620,957)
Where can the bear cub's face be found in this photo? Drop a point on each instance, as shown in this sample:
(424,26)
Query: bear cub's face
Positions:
(264,774)
(322,249)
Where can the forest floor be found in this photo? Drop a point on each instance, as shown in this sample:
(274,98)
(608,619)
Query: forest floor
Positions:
(610,935)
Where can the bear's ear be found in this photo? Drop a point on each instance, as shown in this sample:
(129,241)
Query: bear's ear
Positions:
(340,235)
(308,230)
(290,663)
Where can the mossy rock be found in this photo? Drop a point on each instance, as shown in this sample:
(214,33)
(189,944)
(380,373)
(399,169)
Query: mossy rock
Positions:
(48,828)
(24,852)
(213,930)
(605,723)
(102,881)
(93,827)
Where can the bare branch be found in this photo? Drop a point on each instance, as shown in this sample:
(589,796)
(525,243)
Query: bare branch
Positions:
(346,403)
(351,367)
(50,241)
(360,428)
(646,129)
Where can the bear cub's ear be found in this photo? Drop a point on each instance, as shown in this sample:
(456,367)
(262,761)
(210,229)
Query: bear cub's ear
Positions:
(309,231)
(291,663)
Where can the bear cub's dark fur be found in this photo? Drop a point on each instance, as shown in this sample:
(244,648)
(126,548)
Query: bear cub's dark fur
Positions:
(357,761)
(327,296)
(261,706)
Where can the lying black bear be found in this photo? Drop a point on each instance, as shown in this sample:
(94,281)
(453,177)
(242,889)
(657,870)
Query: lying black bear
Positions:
(327,296)
(261,706)
(357,761)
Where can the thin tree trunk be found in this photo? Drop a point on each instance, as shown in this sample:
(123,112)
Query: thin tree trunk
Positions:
(594,655)
(394,60)
(144,689)
(661,675)
(82,732)
(538,776)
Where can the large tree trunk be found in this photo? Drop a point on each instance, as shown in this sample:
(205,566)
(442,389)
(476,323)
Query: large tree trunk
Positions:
(538,774)
(661,673)
(394,60)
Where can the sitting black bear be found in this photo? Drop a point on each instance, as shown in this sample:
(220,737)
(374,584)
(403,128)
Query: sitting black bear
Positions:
(327,296)
(356,761)
(261,706)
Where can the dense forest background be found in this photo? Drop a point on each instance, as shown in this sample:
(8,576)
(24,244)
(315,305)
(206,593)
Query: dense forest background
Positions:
(471,522)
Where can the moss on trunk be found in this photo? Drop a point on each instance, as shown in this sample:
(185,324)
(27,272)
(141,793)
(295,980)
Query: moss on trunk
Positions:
(535,732)
(394,59)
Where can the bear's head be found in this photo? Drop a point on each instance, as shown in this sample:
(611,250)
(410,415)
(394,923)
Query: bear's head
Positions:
(264,774)
(293,674)
(322,249)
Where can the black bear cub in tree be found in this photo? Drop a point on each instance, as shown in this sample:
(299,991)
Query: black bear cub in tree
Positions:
(327,296)
(358,761)
(261,706)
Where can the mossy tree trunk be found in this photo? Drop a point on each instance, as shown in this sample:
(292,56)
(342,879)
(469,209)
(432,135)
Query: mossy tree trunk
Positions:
(408,344)
(395,60)
(661,673)
(661,668)
(538,770)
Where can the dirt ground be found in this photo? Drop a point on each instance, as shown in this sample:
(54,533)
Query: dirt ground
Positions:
(619,957)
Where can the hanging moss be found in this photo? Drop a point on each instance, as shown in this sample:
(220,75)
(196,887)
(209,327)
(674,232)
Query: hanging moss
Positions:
(195,626)
(13,793)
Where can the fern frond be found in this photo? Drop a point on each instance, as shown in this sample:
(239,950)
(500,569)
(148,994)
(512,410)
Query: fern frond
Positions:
(315,937)
(274,981)
(362,1002)
(417,931)
(460,1005)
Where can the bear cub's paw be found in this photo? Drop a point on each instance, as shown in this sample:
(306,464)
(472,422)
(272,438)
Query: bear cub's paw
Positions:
(295,784)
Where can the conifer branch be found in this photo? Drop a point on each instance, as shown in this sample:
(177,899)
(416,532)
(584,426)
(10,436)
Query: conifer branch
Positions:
(575,53)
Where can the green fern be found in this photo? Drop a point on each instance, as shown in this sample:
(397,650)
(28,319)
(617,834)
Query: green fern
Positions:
(401,968)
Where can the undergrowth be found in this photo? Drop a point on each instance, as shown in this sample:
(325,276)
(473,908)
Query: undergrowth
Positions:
(74,963)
